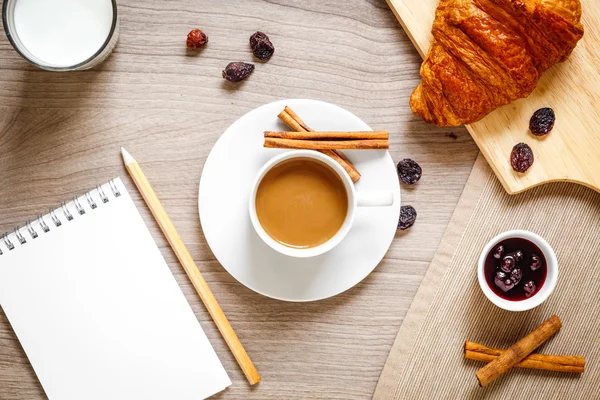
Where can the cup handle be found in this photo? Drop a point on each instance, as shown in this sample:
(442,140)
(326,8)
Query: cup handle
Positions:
(376,199)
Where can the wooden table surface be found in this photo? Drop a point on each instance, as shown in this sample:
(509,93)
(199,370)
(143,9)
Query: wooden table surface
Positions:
(60,136)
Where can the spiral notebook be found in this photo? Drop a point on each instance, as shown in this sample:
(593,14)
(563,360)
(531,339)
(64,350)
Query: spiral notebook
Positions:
(98,311)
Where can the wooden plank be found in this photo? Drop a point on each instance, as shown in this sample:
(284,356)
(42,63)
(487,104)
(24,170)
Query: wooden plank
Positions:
(571,151)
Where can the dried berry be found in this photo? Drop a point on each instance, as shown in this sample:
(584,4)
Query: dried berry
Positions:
(542,121)
(261,46)
(521,157)
(409,171)
(237,71)
(196,39)
(408,215)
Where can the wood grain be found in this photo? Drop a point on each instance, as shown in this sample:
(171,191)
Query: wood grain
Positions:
(570,152)
(60,135)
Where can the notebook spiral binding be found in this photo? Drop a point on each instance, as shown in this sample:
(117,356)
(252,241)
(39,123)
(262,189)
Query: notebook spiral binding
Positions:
(45,227)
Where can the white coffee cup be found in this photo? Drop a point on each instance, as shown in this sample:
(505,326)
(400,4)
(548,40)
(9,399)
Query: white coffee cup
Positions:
(355,199)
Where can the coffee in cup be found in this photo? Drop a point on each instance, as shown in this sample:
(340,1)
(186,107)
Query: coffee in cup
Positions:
(301,203)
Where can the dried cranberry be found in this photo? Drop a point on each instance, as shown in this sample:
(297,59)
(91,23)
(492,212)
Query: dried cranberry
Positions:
(521,157)
(409,171)
(261,46)
(542,121)
(196,39)
(408,216)
(237,71)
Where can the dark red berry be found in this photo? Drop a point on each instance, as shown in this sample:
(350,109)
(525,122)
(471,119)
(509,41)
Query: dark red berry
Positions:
(499,252)
(261,46)
(508,263)
(408,216)
(521,157)
(500,278)
(516,275)
(542,121)
(196,39)
(536,262)
(503,282)
(409,171)
(237,71)
(529,288)
(518,255)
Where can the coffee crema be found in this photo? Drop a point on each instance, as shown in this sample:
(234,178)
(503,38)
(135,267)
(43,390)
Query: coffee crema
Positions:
(301,203)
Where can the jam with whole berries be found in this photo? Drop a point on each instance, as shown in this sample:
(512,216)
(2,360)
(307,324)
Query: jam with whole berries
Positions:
(515,269)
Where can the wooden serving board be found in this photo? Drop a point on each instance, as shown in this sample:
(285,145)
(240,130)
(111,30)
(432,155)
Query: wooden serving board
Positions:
(571,152)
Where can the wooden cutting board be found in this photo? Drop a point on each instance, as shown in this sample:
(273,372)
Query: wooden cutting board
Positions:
(571,152)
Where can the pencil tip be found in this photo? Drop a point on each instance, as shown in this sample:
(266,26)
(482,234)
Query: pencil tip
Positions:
(127,158)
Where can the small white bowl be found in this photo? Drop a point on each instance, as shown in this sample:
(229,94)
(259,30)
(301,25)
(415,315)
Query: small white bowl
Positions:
(543,292)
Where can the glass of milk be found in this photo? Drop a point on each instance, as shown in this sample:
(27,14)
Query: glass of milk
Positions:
(62,35)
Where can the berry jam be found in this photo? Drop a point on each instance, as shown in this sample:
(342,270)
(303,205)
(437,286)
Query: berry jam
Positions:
(515,269)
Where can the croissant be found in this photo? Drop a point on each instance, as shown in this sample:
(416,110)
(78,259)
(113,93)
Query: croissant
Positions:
(488,53)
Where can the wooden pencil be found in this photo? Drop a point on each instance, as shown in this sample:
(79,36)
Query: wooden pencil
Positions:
(186,260)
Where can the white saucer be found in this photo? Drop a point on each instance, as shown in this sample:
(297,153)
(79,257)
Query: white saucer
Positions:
(225,185)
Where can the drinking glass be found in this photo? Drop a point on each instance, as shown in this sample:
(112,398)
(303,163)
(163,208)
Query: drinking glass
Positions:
(98,56)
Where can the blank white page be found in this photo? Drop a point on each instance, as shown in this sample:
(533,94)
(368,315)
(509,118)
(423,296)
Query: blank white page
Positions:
(98,311)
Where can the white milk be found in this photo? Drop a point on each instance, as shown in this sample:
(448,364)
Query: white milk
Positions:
(63,33)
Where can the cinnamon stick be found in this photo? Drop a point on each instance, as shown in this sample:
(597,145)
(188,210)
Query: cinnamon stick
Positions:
(518,351)
(326,144)
(296,125)
(291,119)
(296,118)
(304,135)
(343,161)
(547,362)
